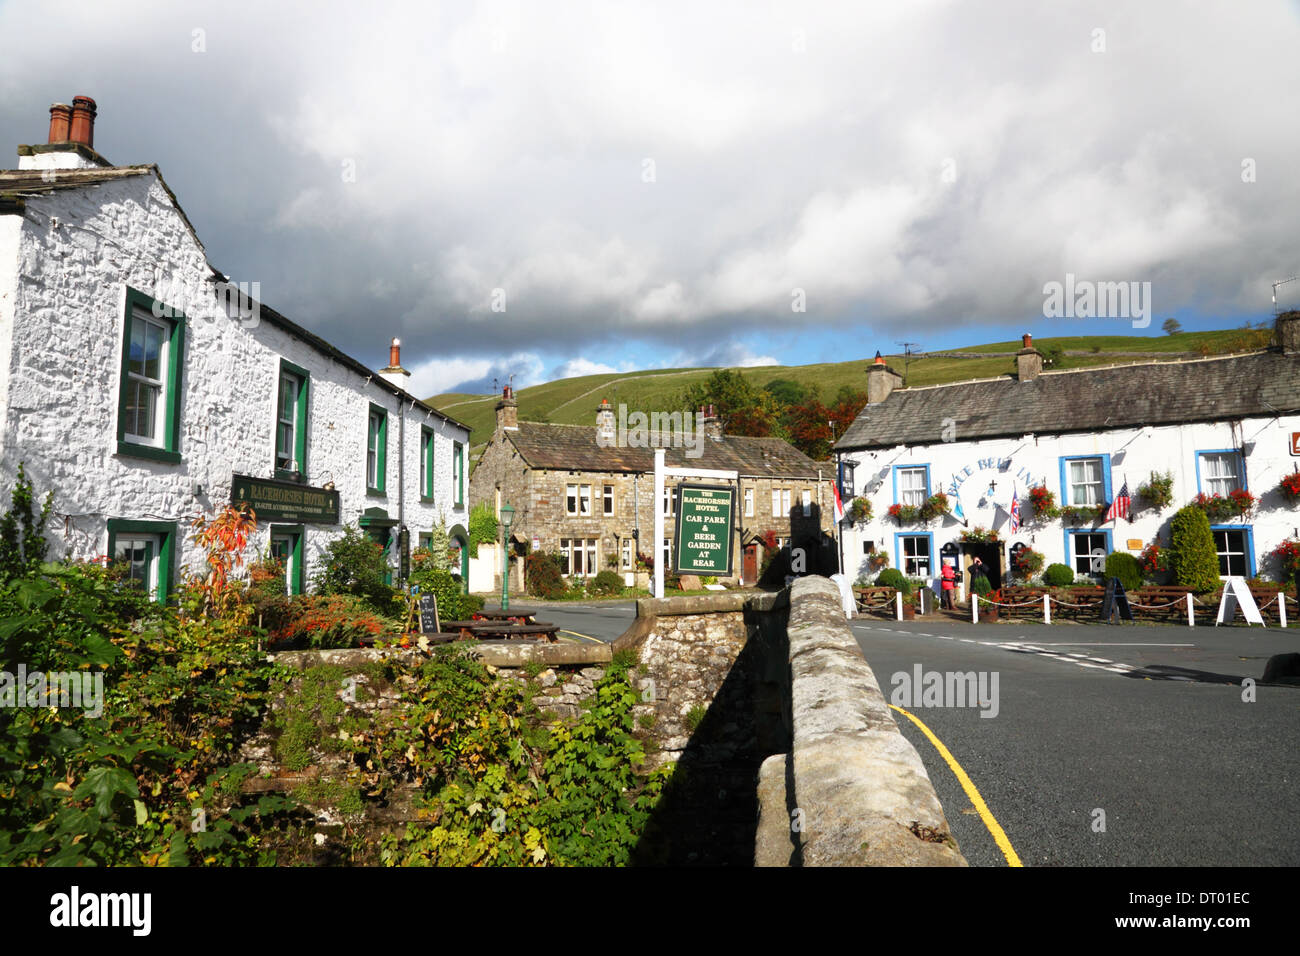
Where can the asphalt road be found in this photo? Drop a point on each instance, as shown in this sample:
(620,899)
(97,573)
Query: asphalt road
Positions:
(596,621)
(1146,724)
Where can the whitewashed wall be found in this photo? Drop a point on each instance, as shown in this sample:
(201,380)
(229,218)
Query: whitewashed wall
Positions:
(64,368)
(1037,460)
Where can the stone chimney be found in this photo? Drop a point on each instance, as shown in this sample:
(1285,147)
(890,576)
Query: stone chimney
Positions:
(606,430)
(71,140)
(507,411)
(395,374)
(712,422)
(1029,361)
(1287,328)
(881,380)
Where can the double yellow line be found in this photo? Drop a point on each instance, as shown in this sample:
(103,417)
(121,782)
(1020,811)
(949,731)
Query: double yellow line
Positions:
(994,828)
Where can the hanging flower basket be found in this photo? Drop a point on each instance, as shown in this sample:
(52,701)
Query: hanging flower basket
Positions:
(860,510)
(935,506)
(1289,488)
(979,535)
(1158,490)
(1027,562)
(1042,504)
(1287,555)
(877,560)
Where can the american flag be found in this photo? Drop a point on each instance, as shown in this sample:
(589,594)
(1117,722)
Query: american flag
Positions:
(1015,510)
(1119,507)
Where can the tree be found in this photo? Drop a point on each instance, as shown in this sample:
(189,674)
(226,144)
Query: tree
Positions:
(743,409)
(1172,326)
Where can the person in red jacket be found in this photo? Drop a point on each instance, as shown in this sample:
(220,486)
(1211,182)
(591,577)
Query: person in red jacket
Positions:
(949,577)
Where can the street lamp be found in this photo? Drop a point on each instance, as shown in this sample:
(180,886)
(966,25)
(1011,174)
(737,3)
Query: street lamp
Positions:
(507,516)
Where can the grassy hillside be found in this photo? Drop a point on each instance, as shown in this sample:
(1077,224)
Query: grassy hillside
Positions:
(573,401)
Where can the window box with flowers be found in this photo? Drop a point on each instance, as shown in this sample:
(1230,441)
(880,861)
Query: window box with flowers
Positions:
(1236,504)
(980,535)
(1289,488)
(935,505)
(1083,514)
(905,514)
(1042,504)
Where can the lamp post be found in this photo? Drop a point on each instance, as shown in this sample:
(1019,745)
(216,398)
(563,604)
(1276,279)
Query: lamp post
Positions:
(507,516)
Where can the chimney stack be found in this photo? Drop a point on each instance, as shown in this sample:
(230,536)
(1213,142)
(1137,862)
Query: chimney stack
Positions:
(606,433)
(507,411)
(395,374)
(881,380)
(1287,328)
(83,121)
(60,123)
(1029,361)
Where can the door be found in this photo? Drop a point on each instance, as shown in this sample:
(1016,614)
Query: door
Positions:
(991,555)
(749,575)
(282,551)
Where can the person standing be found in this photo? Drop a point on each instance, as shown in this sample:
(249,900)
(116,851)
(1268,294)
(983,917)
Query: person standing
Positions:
(949,583)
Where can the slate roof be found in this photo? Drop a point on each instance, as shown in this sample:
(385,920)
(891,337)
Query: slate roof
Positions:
(574,448)
(1084,400)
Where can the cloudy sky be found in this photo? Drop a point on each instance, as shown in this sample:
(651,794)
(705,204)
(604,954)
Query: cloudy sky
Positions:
(557,188)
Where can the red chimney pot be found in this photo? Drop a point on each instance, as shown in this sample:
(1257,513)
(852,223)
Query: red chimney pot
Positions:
(83,121)
(395,354)
(60,123)
(1028,340)
(879,360)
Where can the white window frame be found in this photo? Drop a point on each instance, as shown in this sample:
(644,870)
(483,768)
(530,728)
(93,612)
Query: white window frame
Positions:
(911,564)
(1226,556)
(1094,490)
(749,502)
(1076,556)
(913,489)
(807,503)
(584,500)
(629,554)
(1225,462)
(153,543)
(142,320)
(607,499)
(374,429)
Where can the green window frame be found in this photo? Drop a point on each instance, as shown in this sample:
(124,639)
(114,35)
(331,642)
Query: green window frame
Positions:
(376,449)
(295,583)
(166,533)
(458,473)
(293,386)
(426,463)
(143,313)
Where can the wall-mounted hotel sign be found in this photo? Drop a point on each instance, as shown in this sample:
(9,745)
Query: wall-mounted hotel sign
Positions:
(284,500)
(1295,443)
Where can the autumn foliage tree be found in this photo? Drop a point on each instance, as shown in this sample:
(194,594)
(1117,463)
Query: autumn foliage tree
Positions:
(223,539)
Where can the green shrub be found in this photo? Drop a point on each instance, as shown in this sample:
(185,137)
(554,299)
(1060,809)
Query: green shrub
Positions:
(483,527)
(325,621)
(607,583)
(1195,558)
(980,585)
(1126,568)
(543,577)
(355,565)
(1058,576)
(893,578)
(453,603)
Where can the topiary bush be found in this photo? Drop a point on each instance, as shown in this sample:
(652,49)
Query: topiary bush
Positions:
(893,578)
(1195,559)
(543,577)
(1058,576)
(1126,568)
(607,583)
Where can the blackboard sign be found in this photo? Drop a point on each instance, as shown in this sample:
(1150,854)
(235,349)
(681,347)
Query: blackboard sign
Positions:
(1116,599)
(429,614)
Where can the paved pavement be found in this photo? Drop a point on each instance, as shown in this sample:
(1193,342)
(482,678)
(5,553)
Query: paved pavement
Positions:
(1147,724)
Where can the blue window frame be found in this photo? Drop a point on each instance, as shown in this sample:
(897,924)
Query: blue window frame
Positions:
(1235,545)
(921,566)
(909,468)
(1209,474)
(1075,549)
(1067,497)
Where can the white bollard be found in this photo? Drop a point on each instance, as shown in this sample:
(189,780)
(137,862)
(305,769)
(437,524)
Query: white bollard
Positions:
(1281,608)
(1191,618)
(974,608)
(898,605)
(1047,609)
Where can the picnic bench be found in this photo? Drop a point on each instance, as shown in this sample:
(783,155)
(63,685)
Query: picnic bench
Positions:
(520,616)
(1078,601)
(875,599)
(490,630)
(1159,602)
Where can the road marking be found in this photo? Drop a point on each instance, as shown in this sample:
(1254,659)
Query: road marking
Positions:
(594,640)
(1114,644)
(994,828)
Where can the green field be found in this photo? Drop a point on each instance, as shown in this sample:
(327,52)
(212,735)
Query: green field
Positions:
(573,401)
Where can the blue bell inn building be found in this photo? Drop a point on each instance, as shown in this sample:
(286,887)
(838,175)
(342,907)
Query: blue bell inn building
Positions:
(1216,424)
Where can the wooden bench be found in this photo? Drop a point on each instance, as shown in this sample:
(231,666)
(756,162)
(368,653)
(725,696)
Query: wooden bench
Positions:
(1151,598)
(1019,594)
(1090,597)
(876,599)
(520,616)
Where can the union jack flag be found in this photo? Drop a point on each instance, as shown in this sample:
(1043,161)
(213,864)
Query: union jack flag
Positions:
(1015,510)
(1120,506)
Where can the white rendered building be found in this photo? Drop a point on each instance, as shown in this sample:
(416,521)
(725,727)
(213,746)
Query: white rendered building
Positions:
(144,387)
(1215,424)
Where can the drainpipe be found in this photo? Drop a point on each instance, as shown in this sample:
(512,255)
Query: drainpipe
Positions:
(636,512)
(401,479)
